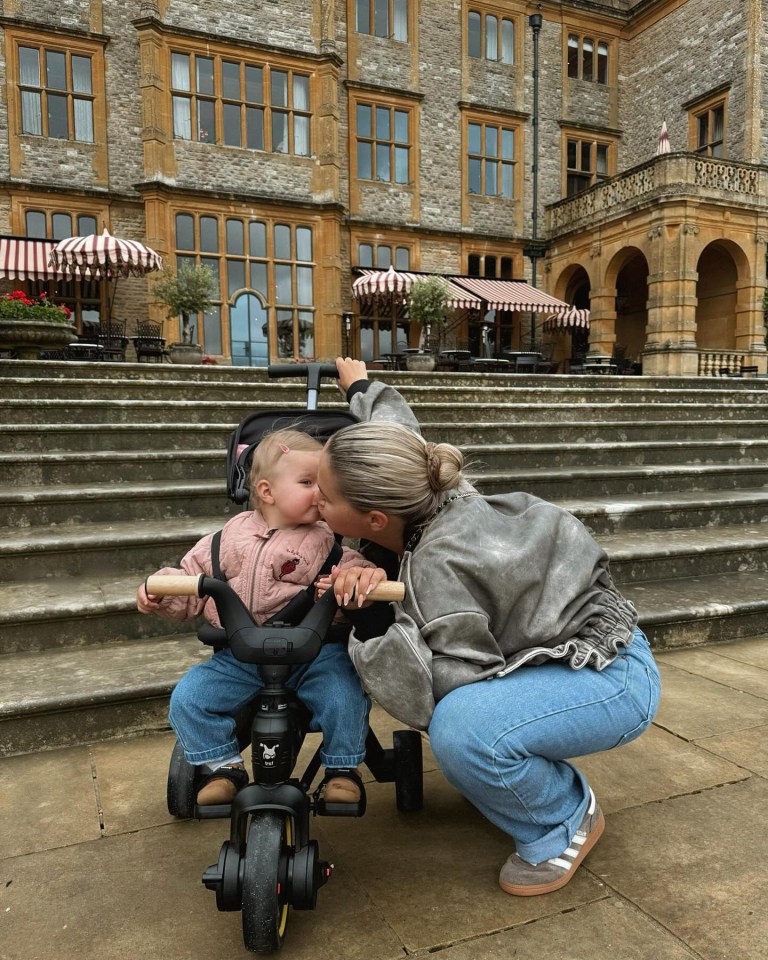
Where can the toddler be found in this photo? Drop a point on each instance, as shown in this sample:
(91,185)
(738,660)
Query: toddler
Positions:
(268,555)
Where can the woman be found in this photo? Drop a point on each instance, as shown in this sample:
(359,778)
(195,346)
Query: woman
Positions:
(513,647)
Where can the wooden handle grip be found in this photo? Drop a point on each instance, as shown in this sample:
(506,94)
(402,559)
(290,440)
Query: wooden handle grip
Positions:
(181,586)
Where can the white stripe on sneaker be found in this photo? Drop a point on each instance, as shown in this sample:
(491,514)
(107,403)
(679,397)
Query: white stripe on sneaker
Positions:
(558,862)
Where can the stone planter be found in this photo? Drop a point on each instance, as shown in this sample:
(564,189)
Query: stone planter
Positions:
(420,361)
(28,337)
(185,353)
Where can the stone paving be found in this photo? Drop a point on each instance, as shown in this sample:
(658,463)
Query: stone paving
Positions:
(92,866)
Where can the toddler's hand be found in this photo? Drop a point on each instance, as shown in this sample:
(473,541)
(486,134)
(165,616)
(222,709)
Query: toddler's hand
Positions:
(322,585)
(145,602)
(353,584)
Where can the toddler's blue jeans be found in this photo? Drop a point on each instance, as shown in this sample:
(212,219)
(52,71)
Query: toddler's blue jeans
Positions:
(503,742)
(210,695)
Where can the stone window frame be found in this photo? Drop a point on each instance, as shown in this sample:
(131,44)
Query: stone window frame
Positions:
(79,295)
(392,10)
(393,256)
(501,14)
(199,253)
(706,109)
(501,123)
(70,44)
(394,103)
(219,55)
(593,141)
(574,66)
(504,261)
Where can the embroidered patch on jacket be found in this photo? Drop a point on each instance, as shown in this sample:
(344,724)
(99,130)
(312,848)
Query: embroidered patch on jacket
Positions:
(288,567)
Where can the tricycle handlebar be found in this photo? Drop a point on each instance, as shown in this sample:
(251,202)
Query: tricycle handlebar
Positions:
(190,586)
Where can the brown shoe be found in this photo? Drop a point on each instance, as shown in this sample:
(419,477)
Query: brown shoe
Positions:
(342,789)
(222,785)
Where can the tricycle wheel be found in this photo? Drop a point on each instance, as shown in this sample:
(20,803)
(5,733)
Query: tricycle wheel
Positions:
(409,775)
(181,790)
(265,875)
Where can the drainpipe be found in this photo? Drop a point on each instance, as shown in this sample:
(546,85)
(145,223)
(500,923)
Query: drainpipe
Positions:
(534,251)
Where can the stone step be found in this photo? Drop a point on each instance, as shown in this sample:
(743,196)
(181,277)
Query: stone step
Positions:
(668,554)
(106,503)
(612,483)
(497,456)
(71,695)
(122,466)
(457,390)
(65,697)
(65,612)
(95,411)
(81,550)
(681,512)
(195,463)
(151,372)
(567,438)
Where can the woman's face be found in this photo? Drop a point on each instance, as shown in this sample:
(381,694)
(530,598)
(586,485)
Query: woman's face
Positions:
(334,508)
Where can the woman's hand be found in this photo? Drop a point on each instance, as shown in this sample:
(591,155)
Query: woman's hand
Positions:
(352,585)
(350,371)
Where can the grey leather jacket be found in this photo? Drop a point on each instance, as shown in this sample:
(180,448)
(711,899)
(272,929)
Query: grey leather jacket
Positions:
(493,583)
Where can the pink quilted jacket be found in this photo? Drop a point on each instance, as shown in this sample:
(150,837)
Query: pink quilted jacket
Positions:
(266,568)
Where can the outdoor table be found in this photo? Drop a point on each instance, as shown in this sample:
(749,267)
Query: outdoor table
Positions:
(83,350)
(523,360)
(600,364)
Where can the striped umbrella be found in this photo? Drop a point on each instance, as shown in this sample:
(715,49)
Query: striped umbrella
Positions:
(102,256)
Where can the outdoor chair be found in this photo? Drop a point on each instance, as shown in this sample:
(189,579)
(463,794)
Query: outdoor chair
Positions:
(149,344)
(111,337)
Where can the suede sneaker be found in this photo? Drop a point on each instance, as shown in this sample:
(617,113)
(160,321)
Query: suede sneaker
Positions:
(341,789)
(222,785)
(523,879)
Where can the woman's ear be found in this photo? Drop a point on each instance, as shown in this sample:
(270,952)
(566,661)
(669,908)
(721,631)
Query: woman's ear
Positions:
(377,520)
(264,491)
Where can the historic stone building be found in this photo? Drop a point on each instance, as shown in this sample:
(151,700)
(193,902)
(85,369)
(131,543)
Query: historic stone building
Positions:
(285,143)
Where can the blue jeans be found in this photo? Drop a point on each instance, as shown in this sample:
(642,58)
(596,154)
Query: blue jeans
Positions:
(210,695)
(503,742)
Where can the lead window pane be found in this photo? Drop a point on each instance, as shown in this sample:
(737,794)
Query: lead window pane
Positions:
(587,58)
(401,126)
(232,134)
(86,226)
(235,237)
(279,132)
(35,224)
(475,138)
(182,118)
(180,71)
(474,45)
(283,283)
(303,244)
(401,165)
(491,178)
(185,232)
(400,31)
(475,175)
(81,75)
(382,123)
(507,183)
(363,120)
(257,238)
(507,41)
(230,80)
(304,286)
(55,70)
(364,160)
(301,93)
(363,16)
(204,75)
(402,258)
(383,168)
(235,277)
(508,144)
(381,18)
(279,88)
(254,84)
(31,113)
(365,255)
(573,57)
(491,38)
(602,62)
(83,111)
(29,66)
(209,234)
(282,242)
(259,278)
(206,121)
(383,256)
(491,142)
(62,226)
(301,136)
(254,128)
(58,125)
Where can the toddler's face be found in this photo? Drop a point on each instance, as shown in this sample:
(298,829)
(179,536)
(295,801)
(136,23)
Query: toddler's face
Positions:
(294,488)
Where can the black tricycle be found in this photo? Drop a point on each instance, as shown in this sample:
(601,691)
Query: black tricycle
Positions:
(269,863)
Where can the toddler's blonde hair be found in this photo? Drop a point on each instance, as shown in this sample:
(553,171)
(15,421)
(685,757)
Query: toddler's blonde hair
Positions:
(271,448)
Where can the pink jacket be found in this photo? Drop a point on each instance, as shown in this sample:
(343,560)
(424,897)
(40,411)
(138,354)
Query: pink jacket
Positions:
(266,568)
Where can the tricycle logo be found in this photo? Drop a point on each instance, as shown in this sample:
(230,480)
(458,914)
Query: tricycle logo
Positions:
(268,754)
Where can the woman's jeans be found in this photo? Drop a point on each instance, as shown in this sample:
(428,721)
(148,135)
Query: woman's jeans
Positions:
(210,695)
(503,742)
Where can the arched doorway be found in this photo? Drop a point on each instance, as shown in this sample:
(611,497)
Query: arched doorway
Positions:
(249,331)
(632,306)
(716,299)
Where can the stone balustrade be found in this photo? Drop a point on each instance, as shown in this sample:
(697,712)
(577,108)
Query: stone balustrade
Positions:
(713,363)
(674,174)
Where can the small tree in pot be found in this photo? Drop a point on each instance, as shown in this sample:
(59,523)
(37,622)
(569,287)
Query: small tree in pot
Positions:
(184,294)
(427,305)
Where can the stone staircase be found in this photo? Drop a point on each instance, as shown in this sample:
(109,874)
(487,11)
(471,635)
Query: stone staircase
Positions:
(108,471)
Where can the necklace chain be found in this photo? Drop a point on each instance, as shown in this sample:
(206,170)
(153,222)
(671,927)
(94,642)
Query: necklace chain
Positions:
(417,533)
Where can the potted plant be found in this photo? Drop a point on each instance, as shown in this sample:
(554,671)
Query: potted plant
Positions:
(186,293)
(30,324)
(427,305)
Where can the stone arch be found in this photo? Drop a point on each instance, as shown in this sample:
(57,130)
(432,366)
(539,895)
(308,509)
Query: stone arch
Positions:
(574,286)
(248,329)
(723,272)
(628,274)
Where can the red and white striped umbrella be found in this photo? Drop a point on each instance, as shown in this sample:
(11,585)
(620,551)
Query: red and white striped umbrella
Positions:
(102,256)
